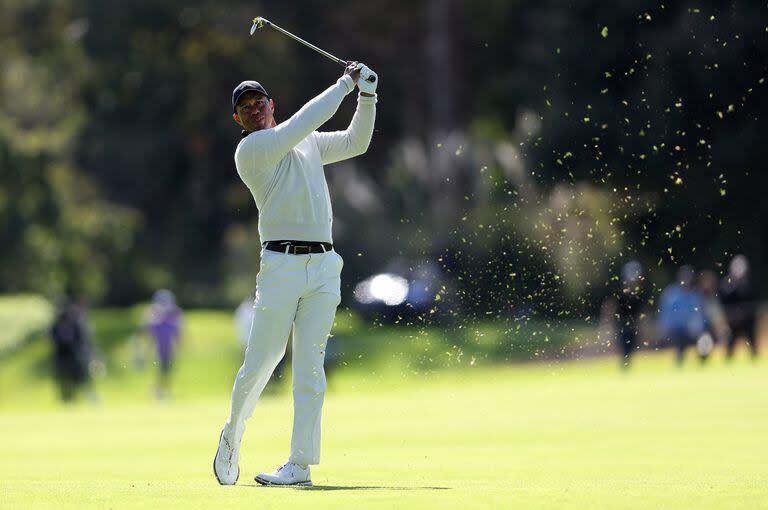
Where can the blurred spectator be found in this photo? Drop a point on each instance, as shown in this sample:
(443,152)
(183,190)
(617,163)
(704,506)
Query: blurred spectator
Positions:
(715,322)
(681,317)
(625,309)
(72,350)
(740,304)
(164,327)
(243,321)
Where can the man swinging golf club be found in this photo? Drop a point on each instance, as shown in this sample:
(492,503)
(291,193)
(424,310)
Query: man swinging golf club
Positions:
(298,285)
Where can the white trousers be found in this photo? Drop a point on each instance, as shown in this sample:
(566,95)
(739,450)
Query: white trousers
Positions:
(299,292)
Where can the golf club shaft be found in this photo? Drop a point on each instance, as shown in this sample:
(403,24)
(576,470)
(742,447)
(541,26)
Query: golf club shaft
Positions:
(305,43)
(259,22)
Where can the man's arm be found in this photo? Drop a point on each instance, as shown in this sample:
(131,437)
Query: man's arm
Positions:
(265,148)
(341,145)
(355,140)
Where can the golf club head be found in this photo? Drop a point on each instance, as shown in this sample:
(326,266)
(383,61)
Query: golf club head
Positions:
(258,22)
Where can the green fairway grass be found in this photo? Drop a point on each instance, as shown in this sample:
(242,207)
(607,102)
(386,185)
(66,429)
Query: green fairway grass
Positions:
(209,354)
(576,434)
(22,316)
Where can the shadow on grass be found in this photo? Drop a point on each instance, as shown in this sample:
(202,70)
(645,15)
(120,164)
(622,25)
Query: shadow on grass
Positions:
(368,488)
(352,488)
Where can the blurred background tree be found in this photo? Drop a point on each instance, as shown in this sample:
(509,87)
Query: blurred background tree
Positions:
(59,233)
(529,148)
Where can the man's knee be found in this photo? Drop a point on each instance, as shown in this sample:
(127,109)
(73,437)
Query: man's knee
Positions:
(308,363)
(265,357)
(310,383)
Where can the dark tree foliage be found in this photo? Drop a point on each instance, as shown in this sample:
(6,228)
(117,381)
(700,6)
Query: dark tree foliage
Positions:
(528,148)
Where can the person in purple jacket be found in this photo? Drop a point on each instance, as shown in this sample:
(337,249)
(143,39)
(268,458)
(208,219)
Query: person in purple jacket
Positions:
(164,327)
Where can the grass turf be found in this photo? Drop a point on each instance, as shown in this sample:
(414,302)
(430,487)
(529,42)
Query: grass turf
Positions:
(575,434)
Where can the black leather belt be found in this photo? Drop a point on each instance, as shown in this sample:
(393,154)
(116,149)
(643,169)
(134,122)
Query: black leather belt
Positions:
(297,247)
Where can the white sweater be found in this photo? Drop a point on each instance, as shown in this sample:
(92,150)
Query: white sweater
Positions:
(283,166)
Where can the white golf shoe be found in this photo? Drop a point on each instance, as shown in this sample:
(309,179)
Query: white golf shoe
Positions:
(287,474)
(225,465)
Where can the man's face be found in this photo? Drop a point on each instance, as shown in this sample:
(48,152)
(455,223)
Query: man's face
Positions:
(254,111)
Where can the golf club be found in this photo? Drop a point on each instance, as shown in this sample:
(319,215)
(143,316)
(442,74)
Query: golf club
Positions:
(259,22)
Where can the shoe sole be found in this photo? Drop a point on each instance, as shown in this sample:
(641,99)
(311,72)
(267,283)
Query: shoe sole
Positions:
(214,465)
(272,484)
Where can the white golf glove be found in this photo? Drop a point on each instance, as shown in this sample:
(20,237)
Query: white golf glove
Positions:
(363,84)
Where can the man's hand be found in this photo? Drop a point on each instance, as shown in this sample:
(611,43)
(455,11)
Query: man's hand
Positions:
(367,88)
(353,70)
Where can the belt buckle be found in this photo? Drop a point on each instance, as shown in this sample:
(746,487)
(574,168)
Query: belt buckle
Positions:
(297,250)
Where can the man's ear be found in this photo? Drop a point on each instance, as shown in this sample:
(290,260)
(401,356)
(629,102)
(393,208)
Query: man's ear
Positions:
(272,105)
(236,118)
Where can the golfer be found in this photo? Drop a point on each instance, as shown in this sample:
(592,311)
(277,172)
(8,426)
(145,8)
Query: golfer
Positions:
(298,285)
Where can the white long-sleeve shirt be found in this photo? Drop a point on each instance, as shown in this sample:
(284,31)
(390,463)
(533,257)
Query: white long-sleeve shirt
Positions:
(283,166)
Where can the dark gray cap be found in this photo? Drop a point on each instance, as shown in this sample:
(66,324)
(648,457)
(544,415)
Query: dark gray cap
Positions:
(246,86)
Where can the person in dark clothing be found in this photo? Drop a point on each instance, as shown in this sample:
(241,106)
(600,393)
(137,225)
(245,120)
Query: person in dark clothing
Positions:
(740,303)
(626,307)
(72,349)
